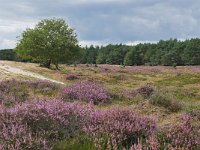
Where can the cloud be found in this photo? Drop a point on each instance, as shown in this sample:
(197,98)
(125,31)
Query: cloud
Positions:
(6,43)
(139,42)
(106,21)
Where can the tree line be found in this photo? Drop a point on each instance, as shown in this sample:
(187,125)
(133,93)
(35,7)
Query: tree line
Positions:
(170,52)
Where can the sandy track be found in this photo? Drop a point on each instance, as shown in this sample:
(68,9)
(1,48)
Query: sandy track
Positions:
(8,69)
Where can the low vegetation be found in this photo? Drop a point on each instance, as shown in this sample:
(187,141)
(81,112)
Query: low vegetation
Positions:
(87,91)
(106,107)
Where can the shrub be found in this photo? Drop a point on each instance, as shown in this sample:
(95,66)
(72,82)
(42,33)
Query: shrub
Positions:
(87,91)
(146,90)
(71,77)
(16,91)
(183,135)
(164,99)
(38,124)
(115,128)
(42,86)
(10,99)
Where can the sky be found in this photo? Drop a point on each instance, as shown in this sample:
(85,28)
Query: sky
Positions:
(100,22)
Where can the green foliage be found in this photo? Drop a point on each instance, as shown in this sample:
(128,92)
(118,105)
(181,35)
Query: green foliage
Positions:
(164,99)
(7,54)
(78,143)
(112,54)
(50,41)
(134,56)
(90,55)
(191,54)
(169,53)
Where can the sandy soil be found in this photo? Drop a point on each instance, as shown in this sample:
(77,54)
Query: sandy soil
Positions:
(6,69)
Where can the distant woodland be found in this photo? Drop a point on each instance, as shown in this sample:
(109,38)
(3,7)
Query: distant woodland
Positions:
(170,52)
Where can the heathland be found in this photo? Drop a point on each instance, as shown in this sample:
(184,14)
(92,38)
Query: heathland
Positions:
(99,107)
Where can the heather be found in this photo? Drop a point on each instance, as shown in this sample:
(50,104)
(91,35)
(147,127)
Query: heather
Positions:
(115,128)
(87,91)
(183,135)
(48,124)
(107,107)
(39,124)
(16,91)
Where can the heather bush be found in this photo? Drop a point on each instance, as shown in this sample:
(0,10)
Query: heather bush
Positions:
(16,136)
(71,77)
(11,86)
(116,128)
(183,135)
(14,91)
(42,86)
(39,124)
(165,99)
(151,144)
(87,91)
(10,99)
(146,90)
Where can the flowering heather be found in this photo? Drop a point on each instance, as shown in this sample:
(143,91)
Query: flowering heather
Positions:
(183,135)
(115,128)
(87,91)
(39,124)
(151,144)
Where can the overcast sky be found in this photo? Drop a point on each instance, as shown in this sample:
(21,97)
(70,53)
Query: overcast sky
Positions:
(104,21)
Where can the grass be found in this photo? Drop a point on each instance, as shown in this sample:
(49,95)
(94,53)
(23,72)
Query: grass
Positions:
(180,80)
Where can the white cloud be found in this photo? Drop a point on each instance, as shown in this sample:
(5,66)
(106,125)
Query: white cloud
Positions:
(99,1)
(6,43)
(7,26)
(94,43)
(139,42)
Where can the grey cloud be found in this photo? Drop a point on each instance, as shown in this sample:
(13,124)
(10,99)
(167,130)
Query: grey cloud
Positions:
(106,21)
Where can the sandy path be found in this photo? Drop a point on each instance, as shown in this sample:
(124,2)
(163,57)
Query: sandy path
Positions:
(15,70)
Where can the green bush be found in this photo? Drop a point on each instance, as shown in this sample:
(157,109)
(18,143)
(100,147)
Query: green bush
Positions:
(165,99)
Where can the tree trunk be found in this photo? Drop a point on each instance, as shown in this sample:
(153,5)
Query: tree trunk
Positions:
(56,66)
(46,64)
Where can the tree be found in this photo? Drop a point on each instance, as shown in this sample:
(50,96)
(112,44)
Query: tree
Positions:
(51,41)
(7,54)
(191,55)
(134,56)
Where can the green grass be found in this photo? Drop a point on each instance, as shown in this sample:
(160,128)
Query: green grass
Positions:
(78,143)
(179,80)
